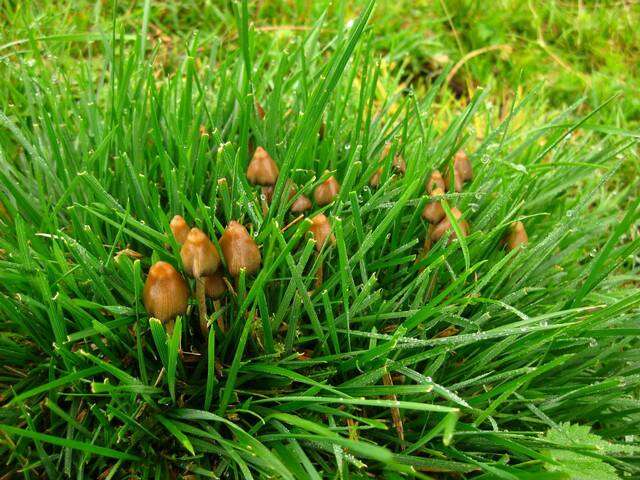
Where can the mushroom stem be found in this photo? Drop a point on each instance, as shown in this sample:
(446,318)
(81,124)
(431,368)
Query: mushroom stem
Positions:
(202,305)
(221,325)
(319,275)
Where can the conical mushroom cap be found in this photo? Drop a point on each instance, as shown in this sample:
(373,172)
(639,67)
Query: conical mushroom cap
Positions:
(435,181)
(326,191)
(458,182)
(239,249)
(301,204)
(165,294)
(374,181)
(399,165)
(517,236)
(321,230)
(433,211)
(214,286)
(179,228)
(445,225)
(199,254)
(462,163)
(262,170)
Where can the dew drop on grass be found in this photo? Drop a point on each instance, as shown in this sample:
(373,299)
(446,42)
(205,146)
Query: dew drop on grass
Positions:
(544,323)
(593,343)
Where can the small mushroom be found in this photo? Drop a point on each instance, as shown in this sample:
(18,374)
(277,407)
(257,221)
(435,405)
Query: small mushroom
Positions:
(199,259)
(435,181)
(179,229)
(517,236)
(262,170)
(445,225)
(301,204)
(214,286)
(239,249)
(462,163)
(327,191)
(165,294)
(399,165)
(259,110)
(433,211)
(321,230)
(374,181)
(458,182)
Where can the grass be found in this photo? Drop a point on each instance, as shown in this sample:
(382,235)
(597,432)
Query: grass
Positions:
(499,365)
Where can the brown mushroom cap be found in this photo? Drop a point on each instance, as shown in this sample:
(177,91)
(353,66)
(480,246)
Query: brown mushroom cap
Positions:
(262,170)
(179,228)
(399,165)
(199,254)
(301,204)
(321,230)
(374,181)
(326,191)
(445,225)
(239,249)
(517,236)
(435,181)
(458,182)
(433,211)
(462,163)
(214,285)
(165,294)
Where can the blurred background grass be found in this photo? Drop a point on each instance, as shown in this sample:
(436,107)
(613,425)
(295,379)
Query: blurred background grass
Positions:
(571,48)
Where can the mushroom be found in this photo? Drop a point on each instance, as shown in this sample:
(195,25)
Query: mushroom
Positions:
(374,181)
(259,110)
(445,225)
(214,287)
(462,163)
(199,259)
(399,165)
(239,249)
(165,294)
(179,229)
(435,181)
(517,236)
(262,170)
(433,211)
(458,182)
(321,230)
(327,191)
(300,204)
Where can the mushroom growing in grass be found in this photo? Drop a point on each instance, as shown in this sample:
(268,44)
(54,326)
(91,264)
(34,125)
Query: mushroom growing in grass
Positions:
(200,259)
(327,191)
(517,236)
(321,230)
(458,181)
(165,294)
(462,164)
(435,181)
(179,229)
(300,204)
(214,288)
(262,170)
(445,225)
(239,249)
(433,211)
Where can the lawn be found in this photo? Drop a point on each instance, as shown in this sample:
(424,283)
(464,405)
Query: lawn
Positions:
(365,325)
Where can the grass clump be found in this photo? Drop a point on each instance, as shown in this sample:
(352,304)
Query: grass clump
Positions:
(472,361)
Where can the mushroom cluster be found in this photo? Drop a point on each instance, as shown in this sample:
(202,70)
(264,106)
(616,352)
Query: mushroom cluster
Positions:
(398,165)
(434,213)
(166,293)
(263,171)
